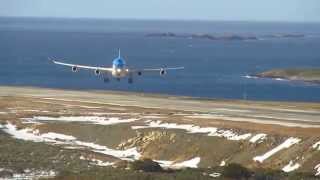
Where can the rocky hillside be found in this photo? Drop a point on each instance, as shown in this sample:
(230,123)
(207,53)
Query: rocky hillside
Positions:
(306,75)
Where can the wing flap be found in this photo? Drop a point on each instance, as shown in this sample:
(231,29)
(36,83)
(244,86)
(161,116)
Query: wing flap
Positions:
(82,66)
(157,69)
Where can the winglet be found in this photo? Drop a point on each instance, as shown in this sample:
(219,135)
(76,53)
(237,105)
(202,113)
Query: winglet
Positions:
(51,60)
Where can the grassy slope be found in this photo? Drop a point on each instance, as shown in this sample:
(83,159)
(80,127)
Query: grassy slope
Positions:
(19,155)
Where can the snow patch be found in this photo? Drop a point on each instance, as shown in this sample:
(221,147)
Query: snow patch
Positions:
(97,162)
(258,138)
(215,175)
(128,154)
(317,168)
(210,131)
(55,136)
(286,144)
(316,146)
(223,163)
(24,134)
(291,167)
(29,174)
(192,163)
(101,163)
(33,135)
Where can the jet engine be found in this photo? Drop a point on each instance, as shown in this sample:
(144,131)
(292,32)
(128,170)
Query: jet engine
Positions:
(139,73)
(163,72)
(97,72)
(74,69)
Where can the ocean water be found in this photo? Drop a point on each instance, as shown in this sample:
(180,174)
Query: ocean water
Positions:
(213,69)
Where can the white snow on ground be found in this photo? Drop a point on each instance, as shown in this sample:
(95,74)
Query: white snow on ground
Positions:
(192,163)
(72,142)
(101,163)
(316,146)
(210,131)
(317,168)
(258,138)
(91,119)
(223,163)
(128,154)
(3,113)
(33,135)
(291,167)
(24,134)
(29,174)
(215,175)
(55,136)
(34,175)
(97,162)
(286,144)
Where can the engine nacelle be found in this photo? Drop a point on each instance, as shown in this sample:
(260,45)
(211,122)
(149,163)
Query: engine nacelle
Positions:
(74,69)
(97,72)
(139,73)
(163,72)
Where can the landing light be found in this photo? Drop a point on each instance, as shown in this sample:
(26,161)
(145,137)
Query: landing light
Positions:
(118,70)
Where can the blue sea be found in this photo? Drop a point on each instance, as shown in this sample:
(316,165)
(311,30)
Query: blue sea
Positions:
(213,69)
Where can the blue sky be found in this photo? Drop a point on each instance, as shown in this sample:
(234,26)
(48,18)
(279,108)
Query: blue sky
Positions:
(243,10)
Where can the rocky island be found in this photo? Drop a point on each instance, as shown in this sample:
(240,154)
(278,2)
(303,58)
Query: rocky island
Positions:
(296,74)
(225,37)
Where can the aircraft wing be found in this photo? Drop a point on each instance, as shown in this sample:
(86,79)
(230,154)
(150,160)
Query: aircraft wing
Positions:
(156,69)
(160,69)
(78,66)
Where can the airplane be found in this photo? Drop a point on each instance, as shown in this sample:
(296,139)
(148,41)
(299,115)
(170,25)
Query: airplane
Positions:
(118,70)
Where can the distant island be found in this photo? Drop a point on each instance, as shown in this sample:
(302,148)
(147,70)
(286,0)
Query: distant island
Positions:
(297,74)
(225,37)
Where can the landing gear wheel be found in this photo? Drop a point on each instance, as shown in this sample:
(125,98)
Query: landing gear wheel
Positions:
(130,80)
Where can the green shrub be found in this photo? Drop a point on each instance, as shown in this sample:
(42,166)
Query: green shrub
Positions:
(146,165)
(236,171)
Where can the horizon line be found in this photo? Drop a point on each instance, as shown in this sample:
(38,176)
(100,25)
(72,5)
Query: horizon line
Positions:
(163,19)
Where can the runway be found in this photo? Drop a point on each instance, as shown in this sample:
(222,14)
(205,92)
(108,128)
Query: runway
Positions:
(289,114)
